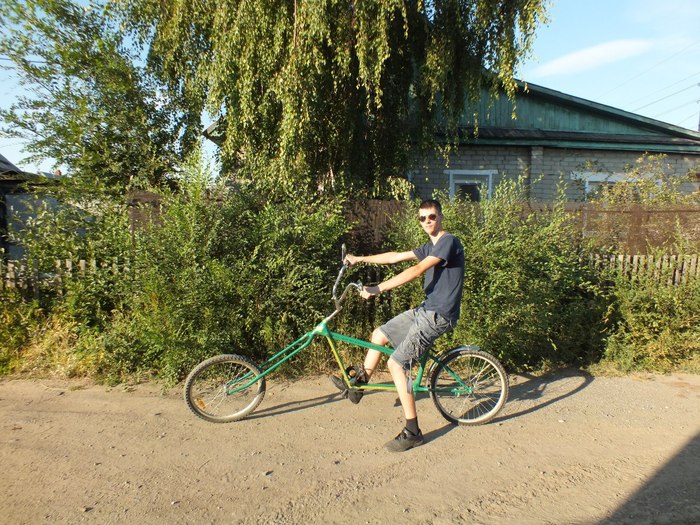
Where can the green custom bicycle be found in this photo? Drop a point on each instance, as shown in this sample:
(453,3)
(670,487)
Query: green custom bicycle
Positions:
(468,386)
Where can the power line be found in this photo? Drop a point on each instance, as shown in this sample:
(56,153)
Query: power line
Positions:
(8,59)
(693,116)
(638,99)
(674,109)
(650,69)
(667,96)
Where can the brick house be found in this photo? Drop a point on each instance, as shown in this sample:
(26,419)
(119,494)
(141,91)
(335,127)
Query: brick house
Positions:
(555,137)
(17,203)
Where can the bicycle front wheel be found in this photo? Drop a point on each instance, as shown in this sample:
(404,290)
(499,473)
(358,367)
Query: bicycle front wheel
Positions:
(224,389)
(468,386)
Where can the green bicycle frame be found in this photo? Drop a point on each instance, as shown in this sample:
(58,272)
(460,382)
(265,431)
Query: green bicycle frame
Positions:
(332,338)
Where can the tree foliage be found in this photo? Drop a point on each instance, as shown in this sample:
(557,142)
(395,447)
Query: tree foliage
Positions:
(89,106)
(329,92)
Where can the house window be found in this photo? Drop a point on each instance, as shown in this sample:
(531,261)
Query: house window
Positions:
(594,181)
(472,185)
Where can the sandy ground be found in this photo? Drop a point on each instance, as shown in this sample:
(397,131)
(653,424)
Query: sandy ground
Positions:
(566,449)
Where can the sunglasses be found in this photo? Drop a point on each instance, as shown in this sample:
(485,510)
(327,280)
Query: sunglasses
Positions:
(432,217)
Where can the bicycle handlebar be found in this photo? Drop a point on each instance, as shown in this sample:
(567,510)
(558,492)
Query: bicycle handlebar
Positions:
(343,268)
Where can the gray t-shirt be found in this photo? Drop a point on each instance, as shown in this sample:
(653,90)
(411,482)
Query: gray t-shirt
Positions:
(443,282)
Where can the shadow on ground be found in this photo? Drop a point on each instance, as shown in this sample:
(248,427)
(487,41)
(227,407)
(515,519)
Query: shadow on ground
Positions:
(538,392)
(671,496)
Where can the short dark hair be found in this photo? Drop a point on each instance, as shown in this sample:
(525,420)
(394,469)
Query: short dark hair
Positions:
(431,203)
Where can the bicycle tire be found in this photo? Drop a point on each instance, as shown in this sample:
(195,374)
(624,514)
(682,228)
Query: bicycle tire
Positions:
(468,386)
(211,391)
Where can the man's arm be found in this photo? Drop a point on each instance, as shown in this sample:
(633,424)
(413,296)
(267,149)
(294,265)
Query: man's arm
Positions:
(404,277)
(381,258)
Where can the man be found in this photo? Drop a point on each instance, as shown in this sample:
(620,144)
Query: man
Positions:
(441,259)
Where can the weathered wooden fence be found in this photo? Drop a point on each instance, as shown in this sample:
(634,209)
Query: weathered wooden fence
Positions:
(632,229)
(672,269)
(26,278)
(637,229)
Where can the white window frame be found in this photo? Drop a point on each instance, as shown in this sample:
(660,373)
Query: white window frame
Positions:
(481,177)
(595,176)
(591,176)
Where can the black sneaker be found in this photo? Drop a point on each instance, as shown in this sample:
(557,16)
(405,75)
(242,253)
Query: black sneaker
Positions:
(355,395)
(358,379)
(404,441)
(339,384)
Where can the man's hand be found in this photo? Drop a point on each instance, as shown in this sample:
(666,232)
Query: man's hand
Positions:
(351,260)
(369,291)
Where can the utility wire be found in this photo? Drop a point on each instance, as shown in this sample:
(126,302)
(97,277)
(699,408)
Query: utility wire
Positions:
(639,99)
(693,116)
(667,96)
(674,109)
(8,59)
(650,69)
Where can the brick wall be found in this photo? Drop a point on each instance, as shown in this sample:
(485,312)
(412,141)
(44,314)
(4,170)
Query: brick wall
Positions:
(546,167)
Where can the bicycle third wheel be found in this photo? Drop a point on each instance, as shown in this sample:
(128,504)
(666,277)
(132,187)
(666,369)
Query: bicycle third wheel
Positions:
(468,386)
(222,388)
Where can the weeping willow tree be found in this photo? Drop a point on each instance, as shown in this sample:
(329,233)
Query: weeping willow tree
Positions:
(331,94)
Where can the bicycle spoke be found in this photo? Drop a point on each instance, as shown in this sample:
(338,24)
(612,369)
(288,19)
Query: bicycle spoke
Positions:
(469,387)
(224,388)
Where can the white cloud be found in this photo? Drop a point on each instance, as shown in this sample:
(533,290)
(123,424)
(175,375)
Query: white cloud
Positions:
(592,57)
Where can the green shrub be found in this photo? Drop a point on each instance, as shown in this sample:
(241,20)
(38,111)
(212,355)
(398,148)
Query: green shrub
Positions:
(249,270)
(225,272)
(657,323)
(19,320)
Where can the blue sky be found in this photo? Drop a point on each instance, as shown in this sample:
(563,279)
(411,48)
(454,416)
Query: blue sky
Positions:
(641,56)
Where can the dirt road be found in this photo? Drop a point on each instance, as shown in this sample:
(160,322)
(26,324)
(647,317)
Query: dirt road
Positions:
(566,449)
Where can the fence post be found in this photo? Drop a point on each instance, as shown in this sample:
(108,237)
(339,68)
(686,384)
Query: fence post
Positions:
(36,285)
(693,266)
(11,275)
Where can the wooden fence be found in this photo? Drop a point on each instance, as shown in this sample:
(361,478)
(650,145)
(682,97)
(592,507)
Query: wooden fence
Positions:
(672,269)
(26,278)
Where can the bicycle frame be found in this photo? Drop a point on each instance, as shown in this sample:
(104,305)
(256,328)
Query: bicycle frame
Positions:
(322,330)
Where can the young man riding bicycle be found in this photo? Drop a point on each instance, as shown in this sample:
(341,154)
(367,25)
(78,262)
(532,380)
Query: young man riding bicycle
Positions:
(411,333)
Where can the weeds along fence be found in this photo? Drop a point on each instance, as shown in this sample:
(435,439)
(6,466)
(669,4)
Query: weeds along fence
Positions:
(25,278)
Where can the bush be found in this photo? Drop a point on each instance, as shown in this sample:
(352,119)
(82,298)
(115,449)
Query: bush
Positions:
(248,271)
(657,323)
(19,320)
(225,273)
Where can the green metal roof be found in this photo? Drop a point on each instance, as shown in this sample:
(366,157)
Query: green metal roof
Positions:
(550,118)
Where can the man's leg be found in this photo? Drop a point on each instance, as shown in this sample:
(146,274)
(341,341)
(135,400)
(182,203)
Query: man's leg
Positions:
(410,436)
(408,402)
(373,356)
(370,365)
(426,328)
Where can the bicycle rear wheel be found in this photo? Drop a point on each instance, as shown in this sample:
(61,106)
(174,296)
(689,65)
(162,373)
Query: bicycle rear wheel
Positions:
(468,386)
(222,389)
